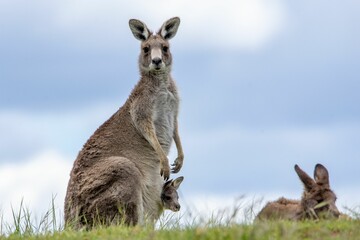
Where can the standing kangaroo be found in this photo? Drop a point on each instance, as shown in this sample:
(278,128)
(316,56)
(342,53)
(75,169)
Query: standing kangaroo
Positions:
(120,166)
(318,200)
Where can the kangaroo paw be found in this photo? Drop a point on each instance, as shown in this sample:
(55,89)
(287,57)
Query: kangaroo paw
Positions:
(176,166)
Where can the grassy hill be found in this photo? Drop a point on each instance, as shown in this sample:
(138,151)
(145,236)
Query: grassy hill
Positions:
(338,229)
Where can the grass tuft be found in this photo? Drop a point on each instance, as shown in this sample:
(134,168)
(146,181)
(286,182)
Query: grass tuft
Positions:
(25,224)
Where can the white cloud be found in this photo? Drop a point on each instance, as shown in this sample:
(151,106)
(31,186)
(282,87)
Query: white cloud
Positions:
(32,132)
(231,24)
(244,24)
(35,182)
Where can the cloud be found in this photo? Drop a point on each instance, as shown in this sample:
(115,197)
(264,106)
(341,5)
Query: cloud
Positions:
(27,133)
(35,182)
(224,159)
(244,24)
(207,23)
(233,24)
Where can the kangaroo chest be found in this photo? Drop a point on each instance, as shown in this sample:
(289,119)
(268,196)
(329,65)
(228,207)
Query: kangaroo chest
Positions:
(164,114)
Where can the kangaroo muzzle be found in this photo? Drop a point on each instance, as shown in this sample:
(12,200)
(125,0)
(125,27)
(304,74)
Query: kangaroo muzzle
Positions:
(156,59)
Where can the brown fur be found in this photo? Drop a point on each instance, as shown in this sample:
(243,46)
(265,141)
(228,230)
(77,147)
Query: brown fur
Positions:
(116,176)
(315,192)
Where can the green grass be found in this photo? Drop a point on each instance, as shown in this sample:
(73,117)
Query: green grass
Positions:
(341,229)
(221,225)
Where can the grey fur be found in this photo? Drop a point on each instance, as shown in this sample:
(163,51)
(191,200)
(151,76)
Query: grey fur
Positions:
(169,194)
(318,200)
(117,174)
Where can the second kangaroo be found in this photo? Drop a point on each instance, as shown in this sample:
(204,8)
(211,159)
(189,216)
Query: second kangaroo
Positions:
(318,200)
(123,161)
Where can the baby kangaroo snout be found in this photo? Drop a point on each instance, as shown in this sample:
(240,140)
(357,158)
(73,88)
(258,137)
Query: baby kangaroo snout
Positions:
(177,207)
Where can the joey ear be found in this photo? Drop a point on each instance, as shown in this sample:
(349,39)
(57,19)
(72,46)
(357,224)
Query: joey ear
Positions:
(139,29)
(308,182)
(169,28)
(321,175)
(176,183)
(167,183)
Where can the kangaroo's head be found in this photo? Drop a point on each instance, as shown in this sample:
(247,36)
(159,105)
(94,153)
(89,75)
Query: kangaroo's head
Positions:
(318,200)
(155,56)
(169,195)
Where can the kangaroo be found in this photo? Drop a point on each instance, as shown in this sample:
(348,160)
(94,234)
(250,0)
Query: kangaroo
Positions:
(169,194)
(318,200)
(124,161)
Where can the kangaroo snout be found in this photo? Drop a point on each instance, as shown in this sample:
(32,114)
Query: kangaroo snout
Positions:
(157,61)
(176,207)
(169,195)
(335,212)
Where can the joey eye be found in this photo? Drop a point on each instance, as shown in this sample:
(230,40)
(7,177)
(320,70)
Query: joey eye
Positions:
(146,49)
(165,48)
(167,198)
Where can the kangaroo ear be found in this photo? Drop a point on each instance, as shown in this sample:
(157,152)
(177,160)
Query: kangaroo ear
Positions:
(176,183)
(321,175)
(169,28)
(139,29)
(306,179)
(167,183)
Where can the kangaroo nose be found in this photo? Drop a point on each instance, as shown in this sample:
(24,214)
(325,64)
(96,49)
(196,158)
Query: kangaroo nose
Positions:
(177,207)
(337,213)
(156,61)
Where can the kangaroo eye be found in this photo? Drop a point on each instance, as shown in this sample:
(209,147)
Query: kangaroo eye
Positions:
(146,49)
(167,198)
(165,48)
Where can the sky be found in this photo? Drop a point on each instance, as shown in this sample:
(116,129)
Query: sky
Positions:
(264,85)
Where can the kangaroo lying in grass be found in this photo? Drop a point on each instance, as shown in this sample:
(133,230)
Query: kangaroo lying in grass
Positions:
(318,200)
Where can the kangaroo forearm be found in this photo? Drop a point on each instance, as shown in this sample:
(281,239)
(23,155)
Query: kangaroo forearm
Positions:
(178,142)
(180,159)
(154,142)
(147,130)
